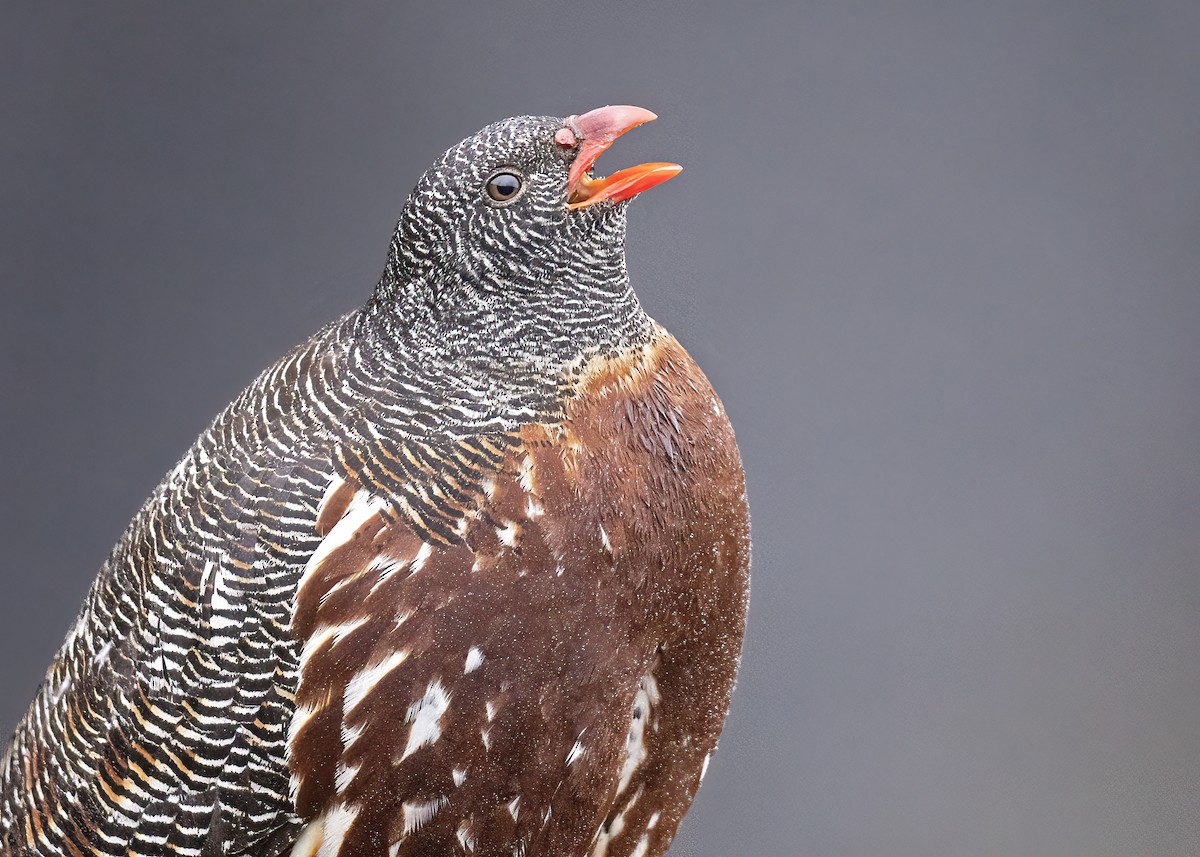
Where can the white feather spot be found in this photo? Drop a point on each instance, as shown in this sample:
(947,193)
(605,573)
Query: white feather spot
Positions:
(489,487)
(365,679)
(485,738)
(221,606)
(335,482)
(514,807)
(418,813)
(604,539)
(309,840)
(383,567)
(525,473)
(345,629)
(425,715)
(423,553)
(335,822)
(704,766)
(350,734)
(576,753)
(323,635)
(459,775)
(508,534)
(362,508)
(642,847)
(650,683)
(652,822)
(302,715)
(490,710)
(635,743)
(533,508)
(463,834)
(474,659)
(102,655)
(344,775)
(606,833)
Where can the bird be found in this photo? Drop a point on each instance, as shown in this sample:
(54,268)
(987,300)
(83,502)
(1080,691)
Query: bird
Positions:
(465,573)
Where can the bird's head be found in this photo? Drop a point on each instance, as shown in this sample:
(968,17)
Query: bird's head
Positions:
(509,240)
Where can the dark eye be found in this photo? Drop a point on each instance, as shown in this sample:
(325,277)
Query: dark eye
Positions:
(503,187)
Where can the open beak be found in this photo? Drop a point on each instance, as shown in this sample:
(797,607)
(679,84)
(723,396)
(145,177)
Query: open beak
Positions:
(594,132)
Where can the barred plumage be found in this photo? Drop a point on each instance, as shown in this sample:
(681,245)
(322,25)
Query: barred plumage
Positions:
(464,573)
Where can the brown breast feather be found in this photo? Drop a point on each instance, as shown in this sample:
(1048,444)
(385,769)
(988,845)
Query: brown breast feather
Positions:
(554,681)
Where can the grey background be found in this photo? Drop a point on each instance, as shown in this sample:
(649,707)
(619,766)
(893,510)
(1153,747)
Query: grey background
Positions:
(941,260)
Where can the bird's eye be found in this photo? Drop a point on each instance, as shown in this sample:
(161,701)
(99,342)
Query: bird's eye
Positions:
(504,186)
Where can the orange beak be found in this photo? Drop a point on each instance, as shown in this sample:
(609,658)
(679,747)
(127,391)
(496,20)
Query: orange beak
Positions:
(596,131)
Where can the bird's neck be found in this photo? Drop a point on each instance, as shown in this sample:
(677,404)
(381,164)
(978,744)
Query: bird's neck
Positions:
(541,316)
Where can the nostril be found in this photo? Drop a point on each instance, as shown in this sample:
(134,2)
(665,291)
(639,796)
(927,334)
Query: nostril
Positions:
(565,137)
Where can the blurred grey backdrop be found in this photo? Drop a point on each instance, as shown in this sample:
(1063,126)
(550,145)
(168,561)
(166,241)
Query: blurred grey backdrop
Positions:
(941,260)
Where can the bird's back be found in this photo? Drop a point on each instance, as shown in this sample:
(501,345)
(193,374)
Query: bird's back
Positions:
(165,711)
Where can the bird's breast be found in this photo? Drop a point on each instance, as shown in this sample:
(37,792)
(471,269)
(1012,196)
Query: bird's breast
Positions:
(477,688)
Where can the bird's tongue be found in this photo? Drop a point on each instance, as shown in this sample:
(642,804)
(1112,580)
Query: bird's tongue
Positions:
(596,131)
